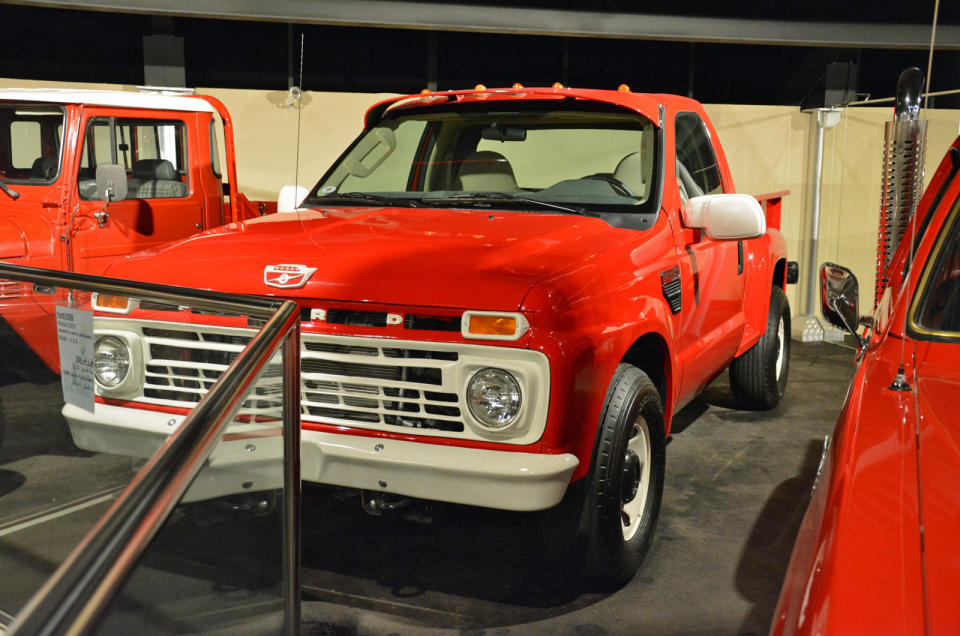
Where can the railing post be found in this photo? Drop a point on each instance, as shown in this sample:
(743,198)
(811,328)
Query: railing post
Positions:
(291,481)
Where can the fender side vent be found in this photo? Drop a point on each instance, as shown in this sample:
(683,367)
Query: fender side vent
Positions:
(670,281)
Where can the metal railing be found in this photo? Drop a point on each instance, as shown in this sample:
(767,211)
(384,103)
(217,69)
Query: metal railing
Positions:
(78,593)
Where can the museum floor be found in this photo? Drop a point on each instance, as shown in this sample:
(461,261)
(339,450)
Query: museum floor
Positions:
(737,485)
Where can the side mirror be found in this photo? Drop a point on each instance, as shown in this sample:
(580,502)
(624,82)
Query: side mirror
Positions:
(111,183)
(726,217)
(290,198)
(840,297)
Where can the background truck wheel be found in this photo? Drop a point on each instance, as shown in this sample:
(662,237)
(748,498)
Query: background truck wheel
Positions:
(599,534)
(758,378)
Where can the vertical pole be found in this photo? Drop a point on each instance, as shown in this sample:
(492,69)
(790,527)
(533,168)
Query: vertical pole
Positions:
(291,481)
(813,284)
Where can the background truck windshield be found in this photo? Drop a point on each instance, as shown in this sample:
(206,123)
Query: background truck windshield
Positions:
(563,156)
(30,138)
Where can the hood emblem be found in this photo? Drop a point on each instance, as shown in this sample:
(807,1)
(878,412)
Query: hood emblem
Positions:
(287,276)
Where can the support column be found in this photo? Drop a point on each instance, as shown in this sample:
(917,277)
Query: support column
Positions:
(807,327)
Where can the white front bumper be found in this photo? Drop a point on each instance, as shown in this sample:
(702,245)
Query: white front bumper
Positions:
(505,480)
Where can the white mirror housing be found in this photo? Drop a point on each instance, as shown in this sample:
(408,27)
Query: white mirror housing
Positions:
(726,217)
(290,198)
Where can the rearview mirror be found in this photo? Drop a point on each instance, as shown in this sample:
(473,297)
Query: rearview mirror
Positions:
(111,183)
(496,132)
(727,217)
(840,297)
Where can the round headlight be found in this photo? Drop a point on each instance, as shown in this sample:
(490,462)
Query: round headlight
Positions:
(111,361)
(493,397)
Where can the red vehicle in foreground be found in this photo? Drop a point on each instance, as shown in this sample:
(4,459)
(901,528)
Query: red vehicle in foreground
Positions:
(878,552)
(506,293)
(53,145)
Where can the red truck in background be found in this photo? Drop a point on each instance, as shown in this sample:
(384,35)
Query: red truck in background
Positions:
(507,294)
(52,144)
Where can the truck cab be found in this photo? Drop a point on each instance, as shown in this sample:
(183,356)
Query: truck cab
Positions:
(52,144)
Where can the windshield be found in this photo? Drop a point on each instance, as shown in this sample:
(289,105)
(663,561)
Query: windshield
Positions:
(600,161)
(30,138)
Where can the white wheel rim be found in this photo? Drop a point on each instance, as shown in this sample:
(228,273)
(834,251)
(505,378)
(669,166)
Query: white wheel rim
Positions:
(780,347)
(632,511)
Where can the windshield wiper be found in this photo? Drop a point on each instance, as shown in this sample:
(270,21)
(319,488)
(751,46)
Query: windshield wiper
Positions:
(507,196)
(361,196)
(13,194)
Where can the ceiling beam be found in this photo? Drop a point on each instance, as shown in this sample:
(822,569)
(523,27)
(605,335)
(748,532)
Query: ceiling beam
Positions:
(536,21)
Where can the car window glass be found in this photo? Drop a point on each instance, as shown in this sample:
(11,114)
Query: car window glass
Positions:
(939,309)
(30,143)
(562,156)
(697,169)
(153,152)
(214,148)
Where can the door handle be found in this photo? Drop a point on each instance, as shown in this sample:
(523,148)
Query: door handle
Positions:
(101,217)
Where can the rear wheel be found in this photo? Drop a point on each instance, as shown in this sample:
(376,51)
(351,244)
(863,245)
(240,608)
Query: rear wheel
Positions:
(758,378)
(601,532)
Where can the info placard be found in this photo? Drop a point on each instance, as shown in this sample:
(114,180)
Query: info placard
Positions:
(75,334)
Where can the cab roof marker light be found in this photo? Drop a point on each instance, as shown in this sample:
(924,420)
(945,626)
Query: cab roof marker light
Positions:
(111,304)
(493,325)
(623,88)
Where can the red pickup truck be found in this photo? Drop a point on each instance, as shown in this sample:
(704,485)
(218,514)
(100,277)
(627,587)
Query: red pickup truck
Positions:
(506,293)
(53,143)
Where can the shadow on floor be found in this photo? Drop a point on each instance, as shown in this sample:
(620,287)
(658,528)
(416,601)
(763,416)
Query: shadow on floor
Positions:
(766,553)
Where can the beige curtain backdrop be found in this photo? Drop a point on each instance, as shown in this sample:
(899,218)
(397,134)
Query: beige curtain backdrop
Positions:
(769,149)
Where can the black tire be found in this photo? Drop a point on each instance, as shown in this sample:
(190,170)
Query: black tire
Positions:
(585,535)
(756,379)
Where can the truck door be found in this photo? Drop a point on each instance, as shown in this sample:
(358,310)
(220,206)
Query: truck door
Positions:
(711,271)
(163,201)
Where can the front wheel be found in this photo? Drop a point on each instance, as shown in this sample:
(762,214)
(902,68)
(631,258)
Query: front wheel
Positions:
(601,532)
(758,378)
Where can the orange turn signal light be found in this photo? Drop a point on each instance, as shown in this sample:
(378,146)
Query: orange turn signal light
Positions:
(425,91)
(558,85)
(492,325)
(623,88)
(109,301)
(479,87)
(517,85)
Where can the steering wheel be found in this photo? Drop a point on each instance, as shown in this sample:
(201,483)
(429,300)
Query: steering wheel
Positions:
(618,186)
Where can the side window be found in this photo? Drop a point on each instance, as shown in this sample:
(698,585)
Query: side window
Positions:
(152,151)
(697,169)
(939,309)
(30,143)
(214,148)
(26,142)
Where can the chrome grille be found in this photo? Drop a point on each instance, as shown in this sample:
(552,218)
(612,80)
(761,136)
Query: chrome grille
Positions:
(395,386)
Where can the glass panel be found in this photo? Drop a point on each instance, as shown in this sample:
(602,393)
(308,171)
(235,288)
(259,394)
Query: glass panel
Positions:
(697,169)
(556,156)
(152,151)
(939,311)
(30,143)
(91,386)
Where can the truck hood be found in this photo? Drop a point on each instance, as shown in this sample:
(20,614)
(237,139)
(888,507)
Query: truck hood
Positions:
(476,259)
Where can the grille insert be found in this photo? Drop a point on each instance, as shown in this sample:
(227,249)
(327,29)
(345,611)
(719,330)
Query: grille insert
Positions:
(395,385)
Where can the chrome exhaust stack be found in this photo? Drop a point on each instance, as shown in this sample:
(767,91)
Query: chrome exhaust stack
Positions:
(904,147)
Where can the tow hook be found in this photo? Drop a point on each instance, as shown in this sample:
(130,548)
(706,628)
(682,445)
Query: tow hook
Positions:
(411,509)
